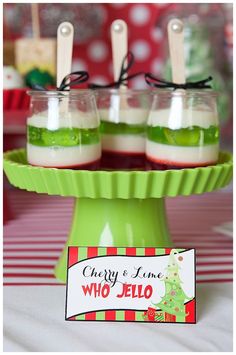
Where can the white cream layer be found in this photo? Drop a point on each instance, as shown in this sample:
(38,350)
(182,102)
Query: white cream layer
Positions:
(123,143)
(55,120)
(63,156)
(176,118)
(129,116)
(183,155)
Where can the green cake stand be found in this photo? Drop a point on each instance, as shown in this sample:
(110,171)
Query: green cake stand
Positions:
(116,208)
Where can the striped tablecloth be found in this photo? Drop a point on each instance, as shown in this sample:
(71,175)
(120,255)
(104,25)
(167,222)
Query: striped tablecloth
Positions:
(34,239)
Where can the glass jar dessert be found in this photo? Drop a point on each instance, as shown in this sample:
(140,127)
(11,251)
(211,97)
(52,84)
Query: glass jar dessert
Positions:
(123,115)
(63,130)
(182,129)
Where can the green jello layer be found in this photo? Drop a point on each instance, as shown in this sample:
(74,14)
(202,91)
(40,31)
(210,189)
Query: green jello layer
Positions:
(191,136)
(121,128)
(64,137)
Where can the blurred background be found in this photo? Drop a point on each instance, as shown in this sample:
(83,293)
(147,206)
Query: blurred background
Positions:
(208,32)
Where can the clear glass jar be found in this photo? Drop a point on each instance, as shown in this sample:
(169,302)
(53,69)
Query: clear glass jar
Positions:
(182,129)
(123,115)
(63,130)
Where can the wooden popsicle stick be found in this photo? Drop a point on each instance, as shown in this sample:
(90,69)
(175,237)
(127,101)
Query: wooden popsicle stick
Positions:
(35,20)
(176,48)
(65,36)
(119,43)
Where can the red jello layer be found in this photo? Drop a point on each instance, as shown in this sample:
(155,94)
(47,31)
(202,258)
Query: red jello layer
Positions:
(167,165)
(95,165)
(114,160)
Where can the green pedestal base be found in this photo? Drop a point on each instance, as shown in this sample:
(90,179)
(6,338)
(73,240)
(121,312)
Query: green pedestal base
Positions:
(116,222)
(116,208)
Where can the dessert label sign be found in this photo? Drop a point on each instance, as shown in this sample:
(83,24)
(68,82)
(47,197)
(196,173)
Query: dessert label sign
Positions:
(131,284)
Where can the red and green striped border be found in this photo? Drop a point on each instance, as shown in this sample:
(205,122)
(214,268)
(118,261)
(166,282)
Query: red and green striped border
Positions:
(76,254)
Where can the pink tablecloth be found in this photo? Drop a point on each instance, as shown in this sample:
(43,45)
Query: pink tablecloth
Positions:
(34,238)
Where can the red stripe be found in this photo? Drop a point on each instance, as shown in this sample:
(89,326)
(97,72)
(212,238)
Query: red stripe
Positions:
(130,251)
(150,251)
(60,241)
(35,242)
(168,250)
(90,316)
(32,284)
(190,310)
(73,256)
(48,276)
(203,255)
(110,315)
(26,257)
(30,266)
(72,318)
(202,238)
(207,272)
(111,251)
(43,234)
(129,316)
(92,252)
(30,249)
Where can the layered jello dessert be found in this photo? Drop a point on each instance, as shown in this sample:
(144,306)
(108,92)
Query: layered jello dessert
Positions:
(182,130)
(63,130)
(123,118)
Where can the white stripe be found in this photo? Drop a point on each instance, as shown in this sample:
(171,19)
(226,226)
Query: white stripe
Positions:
(35,239)
(22,270)
(48,233)
(31,253)
(20,280)
(214,267)
(214,276)
(215,259)
(206,244)
(34,246)
(211,237)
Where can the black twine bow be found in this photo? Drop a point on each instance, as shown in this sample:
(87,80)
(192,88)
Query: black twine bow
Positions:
(74,78)
(153,81)
(68,81)
(127,63)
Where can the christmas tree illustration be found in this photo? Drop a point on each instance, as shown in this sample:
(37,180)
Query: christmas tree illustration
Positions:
(173,300)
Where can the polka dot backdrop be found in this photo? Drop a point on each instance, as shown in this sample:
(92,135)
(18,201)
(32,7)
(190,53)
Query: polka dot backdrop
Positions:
(144,40)
(92,43)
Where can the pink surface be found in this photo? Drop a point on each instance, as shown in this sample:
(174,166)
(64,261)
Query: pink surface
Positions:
(34,239)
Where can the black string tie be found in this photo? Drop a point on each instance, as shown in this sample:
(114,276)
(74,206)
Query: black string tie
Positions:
(155,82)
(72,79)
(127,63)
